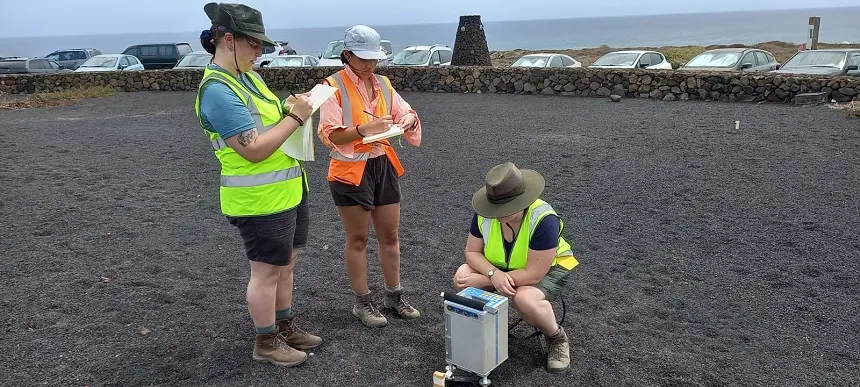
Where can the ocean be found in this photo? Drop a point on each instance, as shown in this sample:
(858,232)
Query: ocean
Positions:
(837,25)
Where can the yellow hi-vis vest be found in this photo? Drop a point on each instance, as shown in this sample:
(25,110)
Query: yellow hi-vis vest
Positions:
(247,188)
(494,248)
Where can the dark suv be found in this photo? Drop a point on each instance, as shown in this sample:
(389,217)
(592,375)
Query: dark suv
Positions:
(159,55)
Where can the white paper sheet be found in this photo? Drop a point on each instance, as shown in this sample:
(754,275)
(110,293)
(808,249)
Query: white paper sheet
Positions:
(300,145)
(393,130)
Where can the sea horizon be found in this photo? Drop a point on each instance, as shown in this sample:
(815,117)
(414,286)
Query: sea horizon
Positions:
(838,25)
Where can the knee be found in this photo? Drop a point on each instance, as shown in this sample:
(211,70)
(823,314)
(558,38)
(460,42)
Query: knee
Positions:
(357,242)
(387,238)
(266,278)
(528,300)
(461,272)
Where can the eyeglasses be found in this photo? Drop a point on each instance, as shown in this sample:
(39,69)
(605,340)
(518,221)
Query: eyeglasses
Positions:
(254,43)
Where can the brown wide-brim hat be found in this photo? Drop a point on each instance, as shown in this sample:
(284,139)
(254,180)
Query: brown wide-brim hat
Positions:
(507,190)
(240,19)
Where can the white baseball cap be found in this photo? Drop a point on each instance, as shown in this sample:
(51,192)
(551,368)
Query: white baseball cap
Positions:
(364,42)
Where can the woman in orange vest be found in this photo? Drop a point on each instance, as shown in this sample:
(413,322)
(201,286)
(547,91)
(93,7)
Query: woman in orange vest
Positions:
(364,179)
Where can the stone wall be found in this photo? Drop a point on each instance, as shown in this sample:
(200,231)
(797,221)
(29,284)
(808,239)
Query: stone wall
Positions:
(664,84)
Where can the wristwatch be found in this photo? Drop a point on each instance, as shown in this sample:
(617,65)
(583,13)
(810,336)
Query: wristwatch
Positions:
(491,272)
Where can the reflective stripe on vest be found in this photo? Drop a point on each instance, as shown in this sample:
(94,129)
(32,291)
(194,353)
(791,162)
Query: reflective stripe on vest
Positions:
(261,179)
(346,106)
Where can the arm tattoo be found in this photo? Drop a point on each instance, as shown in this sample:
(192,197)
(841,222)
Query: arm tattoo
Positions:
(247,136)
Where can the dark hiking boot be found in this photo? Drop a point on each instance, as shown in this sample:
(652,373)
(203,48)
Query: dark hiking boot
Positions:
(295,336)
(394,301)
(558,359)
(367,312)
(272,348)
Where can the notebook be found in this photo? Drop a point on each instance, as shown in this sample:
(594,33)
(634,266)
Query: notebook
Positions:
(393,130)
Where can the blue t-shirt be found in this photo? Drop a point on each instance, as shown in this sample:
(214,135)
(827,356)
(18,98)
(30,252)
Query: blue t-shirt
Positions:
(544,237)
(222,111)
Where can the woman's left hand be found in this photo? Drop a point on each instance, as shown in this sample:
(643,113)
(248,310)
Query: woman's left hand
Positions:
(408,122)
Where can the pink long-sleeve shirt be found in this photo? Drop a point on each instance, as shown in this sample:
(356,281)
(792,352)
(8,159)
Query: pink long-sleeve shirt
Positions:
(331,116)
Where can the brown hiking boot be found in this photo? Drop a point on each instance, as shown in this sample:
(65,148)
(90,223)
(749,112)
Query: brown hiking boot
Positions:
(295,336)
(273,349)
(367,312)
(394,301)
(558,359)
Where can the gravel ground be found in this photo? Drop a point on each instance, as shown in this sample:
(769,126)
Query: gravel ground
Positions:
(709,256)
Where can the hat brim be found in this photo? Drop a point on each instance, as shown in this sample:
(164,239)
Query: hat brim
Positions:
(213,10)
(535,184)
(378,55)
(265,40)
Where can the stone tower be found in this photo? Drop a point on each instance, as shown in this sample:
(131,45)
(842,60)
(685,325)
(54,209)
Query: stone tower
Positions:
(470,48)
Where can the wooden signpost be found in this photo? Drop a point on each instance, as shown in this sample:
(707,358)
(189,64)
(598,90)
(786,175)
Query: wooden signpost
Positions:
(812,37)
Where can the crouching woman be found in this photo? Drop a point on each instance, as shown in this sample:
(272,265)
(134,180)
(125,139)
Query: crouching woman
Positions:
(515,247)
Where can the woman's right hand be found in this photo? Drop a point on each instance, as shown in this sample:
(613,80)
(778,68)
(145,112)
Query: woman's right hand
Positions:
(503,283)
(376,126)
(302,107)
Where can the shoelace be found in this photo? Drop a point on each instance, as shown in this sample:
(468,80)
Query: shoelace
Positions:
(372,309)
(403,304)
(399,302)
(555,348)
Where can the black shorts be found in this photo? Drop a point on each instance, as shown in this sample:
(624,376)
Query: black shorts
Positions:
(379,186)
(272,238)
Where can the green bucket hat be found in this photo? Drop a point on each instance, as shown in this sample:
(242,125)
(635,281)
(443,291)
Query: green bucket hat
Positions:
(240,19)
(507,190)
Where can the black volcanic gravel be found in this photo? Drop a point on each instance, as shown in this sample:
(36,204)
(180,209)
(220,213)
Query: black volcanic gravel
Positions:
(709,256)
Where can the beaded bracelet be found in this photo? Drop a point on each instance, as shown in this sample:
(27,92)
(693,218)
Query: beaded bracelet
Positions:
(295,117)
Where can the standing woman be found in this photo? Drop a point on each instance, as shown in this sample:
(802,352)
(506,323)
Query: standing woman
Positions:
(262,191)
(364,179)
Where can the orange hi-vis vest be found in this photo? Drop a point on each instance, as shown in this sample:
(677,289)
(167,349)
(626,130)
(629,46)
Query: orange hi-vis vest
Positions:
(350,170)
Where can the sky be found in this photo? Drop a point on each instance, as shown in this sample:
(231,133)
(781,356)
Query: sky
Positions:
(38,18)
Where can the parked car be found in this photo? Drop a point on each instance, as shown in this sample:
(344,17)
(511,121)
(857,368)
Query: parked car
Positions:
(293,61)
(271,52)
(31,66)
(435,55)
(549,60)
(823,62)
(159,55)
(732,59)
(331,55)
(285,48)
(110,62)
(196,59)
(633,59)
(73,58)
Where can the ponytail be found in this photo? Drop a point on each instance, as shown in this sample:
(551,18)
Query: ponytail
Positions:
(209,38)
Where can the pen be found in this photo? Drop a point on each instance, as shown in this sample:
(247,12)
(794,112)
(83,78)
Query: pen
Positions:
(371,114)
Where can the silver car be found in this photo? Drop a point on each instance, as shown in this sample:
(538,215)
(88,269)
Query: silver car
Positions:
(73,58)
(823,62)
(742,59)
